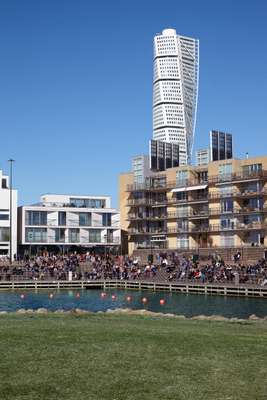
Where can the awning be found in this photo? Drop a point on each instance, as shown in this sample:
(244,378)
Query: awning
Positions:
(187,188)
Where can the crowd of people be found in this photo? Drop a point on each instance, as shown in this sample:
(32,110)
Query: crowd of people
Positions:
(168,268)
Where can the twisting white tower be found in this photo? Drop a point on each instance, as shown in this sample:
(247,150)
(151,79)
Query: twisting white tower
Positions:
(175,90)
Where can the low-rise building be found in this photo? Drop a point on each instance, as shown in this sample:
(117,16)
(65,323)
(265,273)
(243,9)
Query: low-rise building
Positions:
(6,217)
(66,221)
(222,204)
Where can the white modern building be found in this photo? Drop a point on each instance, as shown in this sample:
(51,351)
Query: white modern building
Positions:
(140,168)
(202,157)
(6,217)
(175,90)
(66,221)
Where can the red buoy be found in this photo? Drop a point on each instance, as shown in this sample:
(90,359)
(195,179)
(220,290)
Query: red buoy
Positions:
(113,297)
(128,298)
(51,296)
(103,294)
(162,302)
(22,296)
(144,300)
(78,295)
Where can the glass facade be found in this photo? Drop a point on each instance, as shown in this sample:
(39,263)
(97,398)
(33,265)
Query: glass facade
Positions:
(38,235)
(36,218)
(87,203)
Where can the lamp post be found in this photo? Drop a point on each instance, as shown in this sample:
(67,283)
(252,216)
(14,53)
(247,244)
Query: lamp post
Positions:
(10,208)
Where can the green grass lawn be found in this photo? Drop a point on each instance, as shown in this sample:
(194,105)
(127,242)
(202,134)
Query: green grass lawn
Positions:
(130,357)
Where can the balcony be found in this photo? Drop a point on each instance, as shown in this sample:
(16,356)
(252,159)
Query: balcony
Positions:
(190,214)
(237,194)
(238,211)
(238,178)
(134,231)
(157,186)
(139,217)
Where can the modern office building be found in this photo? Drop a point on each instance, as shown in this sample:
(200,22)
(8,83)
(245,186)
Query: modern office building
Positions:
(202,157)
(66,221)
(175,90)
(221,146)
(222,204)
(163,155)
(5,217)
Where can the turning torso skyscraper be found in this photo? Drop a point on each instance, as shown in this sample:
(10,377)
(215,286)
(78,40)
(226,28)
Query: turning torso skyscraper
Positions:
(175,90)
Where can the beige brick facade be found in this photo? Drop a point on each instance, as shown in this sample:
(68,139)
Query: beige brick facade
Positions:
(223,204)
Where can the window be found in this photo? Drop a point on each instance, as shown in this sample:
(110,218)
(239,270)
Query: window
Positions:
(227,223)
(183,242)
(87,203)
(60,235)
(227,206)
(181,177)
(4,183)
(84,219)
(251,169)
(4,234)
(38,235)
(4,217)
(94,236)
(36,218)
(62,218)
(74,235)
(225,171)
(106,219)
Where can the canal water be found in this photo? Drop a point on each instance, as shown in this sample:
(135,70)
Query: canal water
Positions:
(175,303)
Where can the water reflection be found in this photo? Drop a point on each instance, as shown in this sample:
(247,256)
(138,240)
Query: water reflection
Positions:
(92,300)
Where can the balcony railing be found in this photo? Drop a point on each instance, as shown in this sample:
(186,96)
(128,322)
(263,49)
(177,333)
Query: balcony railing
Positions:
(133,217)
(238,177)
(164,202)
(164,185)
(202,228)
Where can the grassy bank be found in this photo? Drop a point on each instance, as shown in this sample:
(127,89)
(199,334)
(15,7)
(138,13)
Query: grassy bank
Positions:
(99,357)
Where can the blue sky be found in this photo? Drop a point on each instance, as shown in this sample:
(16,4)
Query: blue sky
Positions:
(76,85)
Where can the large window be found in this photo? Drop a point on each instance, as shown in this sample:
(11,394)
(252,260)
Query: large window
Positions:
(4,234)
(227,206)
(251,169)
(62,218)
(95,236)
(36,218)
(181,178)
(87,203)
(60,235)
(84,219)
(225,171)
(38,235)
(4,217)
(74,235)
(106,219)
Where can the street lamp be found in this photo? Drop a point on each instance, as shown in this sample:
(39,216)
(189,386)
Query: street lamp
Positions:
(10,208)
